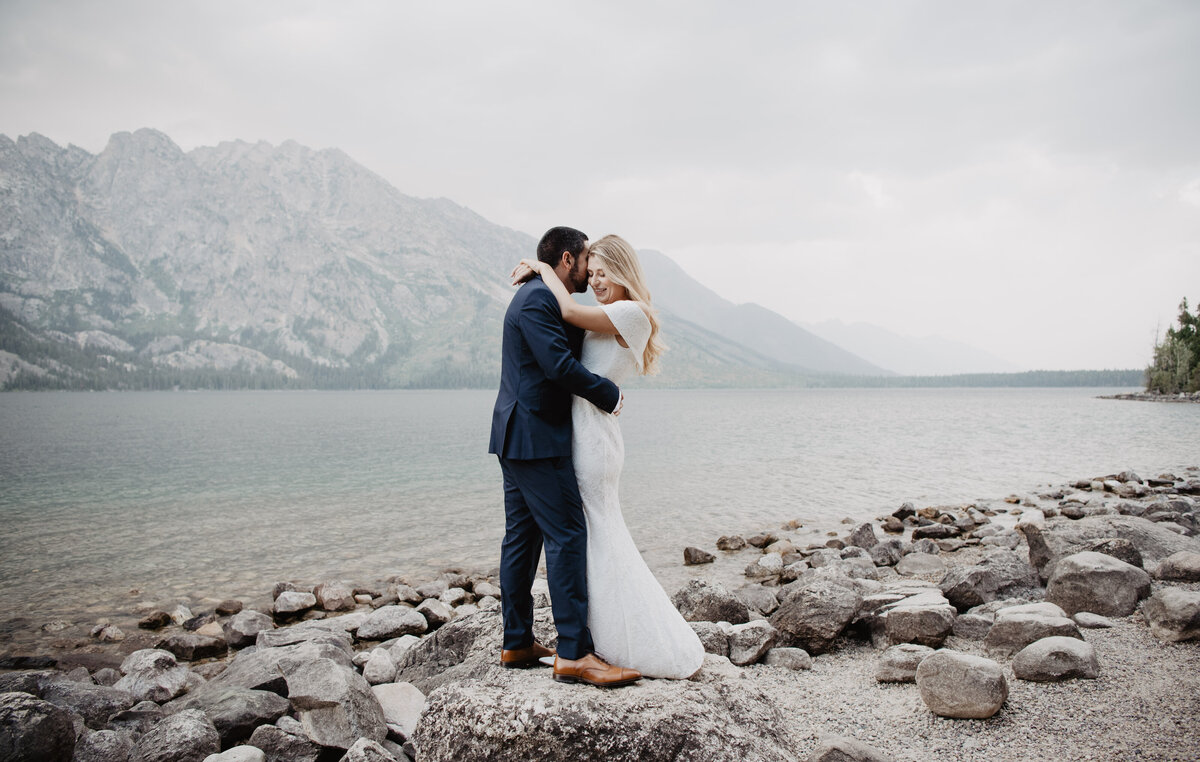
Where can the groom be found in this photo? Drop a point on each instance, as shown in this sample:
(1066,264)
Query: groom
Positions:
(531,434)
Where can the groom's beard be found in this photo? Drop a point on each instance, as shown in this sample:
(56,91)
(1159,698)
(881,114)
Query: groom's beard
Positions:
(578,275)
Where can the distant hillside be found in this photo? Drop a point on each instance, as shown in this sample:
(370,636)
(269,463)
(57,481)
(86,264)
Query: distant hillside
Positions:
(1027,379)
(258,266)
(909,356)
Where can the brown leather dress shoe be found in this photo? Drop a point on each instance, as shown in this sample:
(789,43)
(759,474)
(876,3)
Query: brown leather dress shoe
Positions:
(523,658)
(591,669)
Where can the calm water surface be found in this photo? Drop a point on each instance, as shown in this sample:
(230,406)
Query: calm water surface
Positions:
(222,494)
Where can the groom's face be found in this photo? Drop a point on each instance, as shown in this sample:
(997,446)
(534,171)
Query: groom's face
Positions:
(577,276)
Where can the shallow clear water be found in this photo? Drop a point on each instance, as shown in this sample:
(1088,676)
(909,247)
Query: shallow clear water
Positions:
(223,493)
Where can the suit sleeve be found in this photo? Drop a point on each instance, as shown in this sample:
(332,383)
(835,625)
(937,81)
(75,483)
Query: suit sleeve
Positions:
(541,323)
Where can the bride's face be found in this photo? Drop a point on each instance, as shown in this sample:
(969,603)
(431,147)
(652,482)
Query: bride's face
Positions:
(605,291)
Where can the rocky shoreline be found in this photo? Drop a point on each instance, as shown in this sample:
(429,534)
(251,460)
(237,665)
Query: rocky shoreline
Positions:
(1149,397)
(1063,624)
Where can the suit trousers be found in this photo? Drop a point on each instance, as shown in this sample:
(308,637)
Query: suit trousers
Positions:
(542,506)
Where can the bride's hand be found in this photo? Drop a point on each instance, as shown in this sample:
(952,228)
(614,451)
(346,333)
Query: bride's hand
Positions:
(525,270)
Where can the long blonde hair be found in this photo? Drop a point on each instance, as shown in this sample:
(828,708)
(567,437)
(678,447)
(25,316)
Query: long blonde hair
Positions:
(620,263)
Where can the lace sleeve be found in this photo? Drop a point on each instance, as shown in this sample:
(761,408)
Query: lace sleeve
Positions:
(633,325)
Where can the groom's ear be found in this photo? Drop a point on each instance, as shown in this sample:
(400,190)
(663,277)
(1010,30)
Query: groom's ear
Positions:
(566,260)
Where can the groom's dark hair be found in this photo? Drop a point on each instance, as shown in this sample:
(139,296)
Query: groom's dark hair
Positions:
(560,239)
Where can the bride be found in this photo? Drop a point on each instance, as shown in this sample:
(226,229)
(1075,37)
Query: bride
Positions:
(632,621)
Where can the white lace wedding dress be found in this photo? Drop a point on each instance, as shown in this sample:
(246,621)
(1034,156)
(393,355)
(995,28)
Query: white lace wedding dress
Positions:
(633,622)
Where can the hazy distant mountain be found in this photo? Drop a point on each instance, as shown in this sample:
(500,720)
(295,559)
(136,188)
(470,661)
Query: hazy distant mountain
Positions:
(908,356)
(252,264)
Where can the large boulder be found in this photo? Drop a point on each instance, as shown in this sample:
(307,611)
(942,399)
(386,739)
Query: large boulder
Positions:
(185,737)
(32,729)
(1056,658)
(1173,614)
(392,622)
(899,663)
(816,613)
(153,675)
(1097,583)
(525,717)
(402,704)
(335,704)
(959,685)
(1183,566)
(262,668)
(925,625)
(1061,537)
(191,646)
(1001,573)
(95,703)
(243,628)
(846,749)
(102,746)
(235,712)
(701,601)
(334,596)
(282,746)
(1012,632)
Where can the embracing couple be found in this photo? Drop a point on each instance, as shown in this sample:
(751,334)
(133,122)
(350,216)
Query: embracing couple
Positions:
(555,431)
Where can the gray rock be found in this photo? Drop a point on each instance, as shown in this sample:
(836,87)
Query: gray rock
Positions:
(1117,547)
(334,596)
(898,664)
(1063,537)
(925,625)
(1183,566)
(927,546)
(234,711)
(152,675)
(750,641)
(392,622)
(455,596)
(484,587)
(656,721)
(379,667)
(701,601)
(731,543)
(400,646)
(1090,621)
(102,746)
(94,703)
(185,737)
(1010,634)
(335,704)
(893,525)
(1097,583)
(155,620)
(108,633)
(402,704)
(816,614)
(1044,608)
(1173,614)
(33,729)
(366,750)
(1056,658)
(190,646)
(229,607)
(293,602)
(765,566)
(788,657)
(758,598)
(959,685)
(693,556)
(432,589)
(845,749)
(923,565)
(137,720)
(282,746)
(887,553)
(435,613)
(712,637)
(863,536)
(334,631)
(1000,573)
(971,626)
(243,628)
(262,668)
(106,676)
(238,754)
(936,532)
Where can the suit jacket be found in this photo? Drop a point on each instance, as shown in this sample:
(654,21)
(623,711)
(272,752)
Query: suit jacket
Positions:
(539,373)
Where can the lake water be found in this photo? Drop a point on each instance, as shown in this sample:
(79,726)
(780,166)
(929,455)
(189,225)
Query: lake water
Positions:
(224,493)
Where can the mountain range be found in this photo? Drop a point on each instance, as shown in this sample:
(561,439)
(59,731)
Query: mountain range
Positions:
(256,265)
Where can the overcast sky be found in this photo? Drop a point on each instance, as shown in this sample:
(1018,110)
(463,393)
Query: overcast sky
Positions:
(1021,176)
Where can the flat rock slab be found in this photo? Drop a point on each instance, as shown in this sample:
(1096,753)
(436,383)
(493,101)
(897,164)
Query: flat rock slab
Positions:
(527,717)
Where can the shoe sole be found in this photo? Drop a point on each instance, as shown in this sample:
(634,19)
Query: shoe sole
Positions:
(522,664)
(614,684)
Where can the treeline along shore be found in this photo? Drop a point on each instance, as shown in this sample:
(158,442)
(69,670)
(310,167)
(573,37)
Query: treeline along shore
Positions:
(1061,624)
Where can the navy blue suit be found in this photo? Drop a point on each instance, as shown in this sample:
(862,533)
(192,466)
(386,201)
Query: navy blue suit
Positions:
(531,433)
